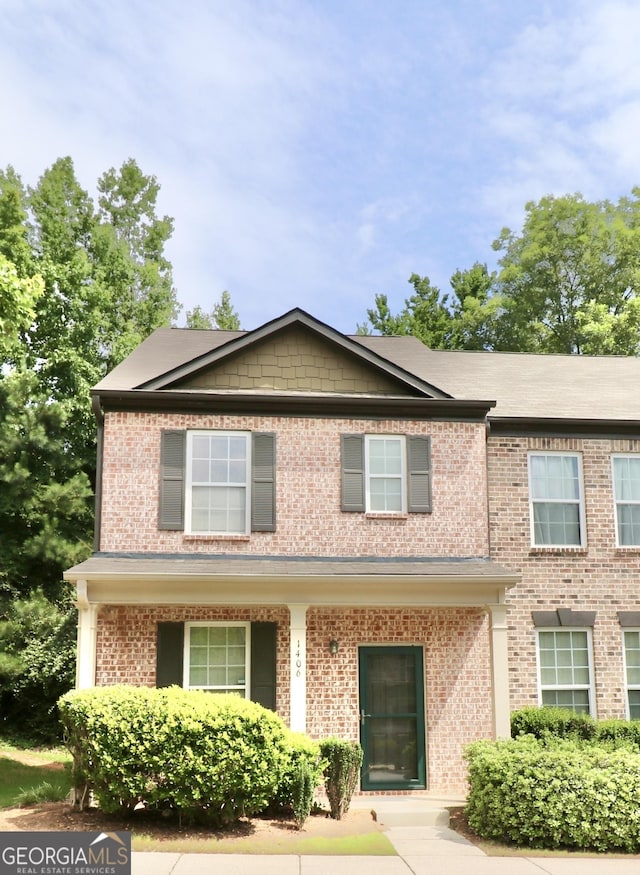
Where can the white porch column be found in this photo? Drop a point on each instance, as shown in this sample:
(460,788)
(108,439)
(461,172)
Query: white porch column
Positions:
(298,633)
(87,639)
(500,670)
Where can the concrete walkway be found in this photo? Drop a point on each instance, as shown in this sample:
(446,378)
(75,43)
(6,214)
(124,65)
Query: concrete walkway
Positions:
(418,829)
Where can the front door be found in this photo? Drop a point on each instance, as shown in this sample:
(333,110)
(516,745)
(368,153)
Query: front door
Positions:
(392,718)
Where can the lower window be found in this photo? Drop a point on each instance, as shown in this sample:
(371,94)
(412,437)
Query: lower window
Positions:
(632,671)
(565,676)
(216,657)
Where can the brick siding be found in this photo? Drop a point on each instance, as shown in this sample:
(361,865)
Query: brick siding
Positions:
(598,577)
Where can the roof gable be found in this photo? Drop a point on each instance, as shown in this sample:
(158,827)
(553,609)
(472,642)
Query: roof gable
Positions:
(295,353)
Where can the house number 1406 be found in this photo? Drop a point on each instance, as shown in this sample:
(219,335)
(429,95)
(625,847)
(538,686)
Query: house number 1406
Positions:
(298,660)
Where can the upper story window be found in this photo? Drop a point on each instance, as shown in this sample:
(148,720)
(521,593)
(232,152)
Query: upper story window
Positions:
(556,500)
(217,483)
(386,473)
(626,489)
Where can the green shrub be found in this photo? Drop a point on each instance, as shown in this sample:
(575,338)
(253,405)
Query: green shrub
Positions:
(341,772)
(568,794)
(304,788)
(299,748)
(625,732)
(201,754)
(37,665)
(552,722)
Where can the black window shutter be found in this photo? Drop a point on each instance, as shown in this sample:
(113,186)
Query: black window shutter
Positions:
(352,446)
(419,480)
(263,482)
(172,464)
(169,654)
(263,664)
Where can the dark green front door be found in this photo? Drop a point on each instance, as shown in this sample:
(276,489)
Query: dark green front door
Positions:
(392,718)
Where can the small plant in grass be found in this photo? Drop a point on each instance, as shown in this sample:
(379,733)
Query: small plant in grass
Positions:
(45,792)
(342,769)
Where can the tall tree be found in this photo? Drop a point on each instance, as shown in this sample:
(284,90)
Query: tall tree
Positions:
(425,315)
(572,271)
(104,284)
(223,316)
(568,282)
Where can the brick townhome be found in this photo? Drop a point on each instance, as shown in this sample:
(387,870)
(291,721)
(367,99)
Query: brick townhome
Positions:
(378,540)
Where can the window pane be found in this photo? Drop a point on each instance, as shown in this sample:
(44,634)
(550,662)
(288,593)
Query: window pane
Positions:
(217,656)
(634,704)
(626,471)
(564,662)
(576,700)
(556,524)
(629,524)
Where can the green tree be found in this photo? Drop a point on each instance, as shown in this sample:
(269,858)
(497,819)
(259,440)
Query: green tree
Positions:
(223,316)
(425,315)
(81,284)
(569,280)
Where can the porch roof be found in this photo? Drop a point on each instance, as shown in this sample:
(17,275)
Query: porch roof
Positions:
(114,578)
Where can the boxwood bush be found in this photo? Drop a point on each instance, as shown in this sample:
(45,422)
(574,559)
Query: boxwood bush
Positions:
(552,722)
(303,763)
(195,752)
(555,794)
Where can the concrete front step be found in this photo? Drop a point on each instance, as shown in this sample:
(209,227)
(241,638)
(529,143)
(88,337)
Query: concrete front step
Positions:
(408,810)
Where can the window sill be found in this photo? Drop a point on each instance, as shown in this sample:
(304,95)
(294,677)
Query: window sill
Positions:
(191,539)
(401,517)
(555,550)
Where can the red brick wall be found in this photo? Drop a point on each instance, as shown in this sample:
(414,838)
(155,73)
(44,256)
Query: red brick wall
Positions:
(126,648)
(457,677)
(456,661)
(599,578)
(309,519)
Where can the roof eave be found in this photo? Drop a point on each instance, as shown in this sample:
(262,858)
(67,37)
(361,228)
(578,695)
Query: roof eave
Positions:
(273,403)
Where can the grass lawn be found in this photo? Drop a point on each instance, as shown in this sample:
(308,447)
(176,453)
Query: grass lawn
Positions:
(18,777)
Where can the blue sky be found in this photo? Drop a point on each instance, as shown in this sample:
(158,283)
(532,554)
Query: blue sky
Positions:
(316,152)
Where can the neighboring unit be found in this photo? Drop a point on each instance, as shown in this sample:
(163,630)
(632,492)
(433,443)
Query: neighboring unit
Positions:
(377,540)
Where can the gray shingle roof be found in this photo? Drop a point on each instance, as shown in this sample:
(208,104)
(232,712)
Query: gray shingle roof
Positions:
(523,385)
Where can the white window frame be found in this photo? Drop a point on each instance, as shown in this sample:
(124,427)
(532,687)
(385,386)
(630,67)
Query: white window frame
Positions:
(617,503)
(590,687)
(243,690)
(402,477)
(627,686)
(191,434)
(580,501)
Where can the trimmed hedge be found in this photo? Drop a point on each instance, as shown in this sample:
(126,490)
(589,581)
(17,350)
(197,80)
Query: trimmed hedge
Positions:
(565,794)
(341,772)
(201,754)
(552,722)
(303,766)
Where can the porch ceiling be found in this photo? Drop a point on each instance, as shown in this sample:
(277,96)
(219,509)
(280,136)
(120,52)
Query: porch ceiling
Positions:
(242,580)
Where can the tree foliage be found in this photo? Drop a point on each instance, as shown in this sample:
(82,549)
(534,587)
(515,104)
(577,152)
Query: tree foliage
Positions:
(81,284)
(568,282)
(222,316)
